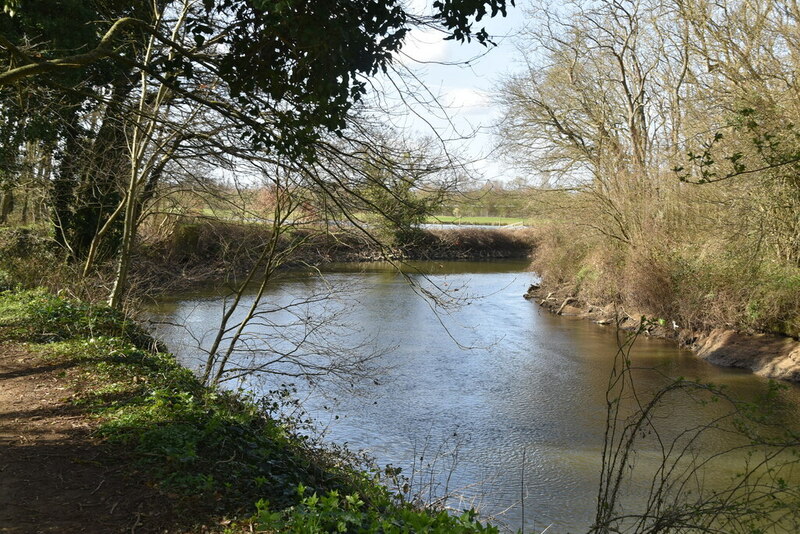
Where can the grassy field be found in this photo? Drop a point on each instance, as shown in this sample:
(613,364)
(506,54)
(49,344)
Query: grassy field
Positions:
(229,215)
(494,221)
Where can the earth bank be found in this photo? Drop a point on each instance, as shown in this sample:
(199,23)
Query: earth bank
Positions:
(767,355)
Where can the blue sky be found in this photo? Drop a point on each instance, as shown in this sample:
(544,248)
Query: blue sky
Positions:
(466,91)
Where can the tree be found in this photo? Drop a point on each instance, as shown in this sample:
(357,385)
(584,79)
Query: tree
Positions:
(76,114)
(590,110)
(284,75)
(309,204)
(751,145)
(623,110)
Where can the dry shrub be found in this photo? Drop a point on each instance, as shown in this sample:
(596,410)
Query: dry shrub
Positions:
(705,284)
(559,256)
(647,282)
(474,241)
(774,301)
(575,261)
(216,241)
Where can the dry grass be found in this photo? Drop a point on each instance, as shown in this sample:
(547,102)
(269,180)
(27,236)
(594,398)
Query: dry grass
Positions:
(712,284)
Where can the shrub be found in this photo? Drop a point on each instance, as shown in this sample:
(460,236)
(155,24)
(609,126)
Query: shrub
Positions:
(30,258)
(40,316)
(333,512)
(701,284)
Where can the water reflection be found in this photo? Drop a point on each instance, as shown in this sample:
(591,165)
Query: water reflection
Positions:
(515,382)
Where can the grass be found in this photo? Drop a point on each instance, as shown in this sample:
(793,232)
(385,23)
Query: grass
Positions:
(493,221)
(221,452)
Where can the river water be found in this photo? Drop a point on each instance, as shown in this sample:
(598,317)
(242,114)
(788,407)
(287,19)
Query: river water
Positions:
(487,397)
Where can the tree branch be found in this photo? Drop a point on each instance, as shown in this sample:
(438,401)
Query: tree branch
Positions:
(103,50)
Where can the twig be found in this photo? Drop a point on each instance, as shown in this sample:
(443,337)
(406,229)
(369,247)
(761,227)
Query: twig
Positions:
(564,304)
(98,487)
(137,522)
(522,490)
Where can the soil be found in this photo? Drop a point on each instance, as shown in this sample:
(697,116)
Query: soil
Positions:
(55,476)
(766,355)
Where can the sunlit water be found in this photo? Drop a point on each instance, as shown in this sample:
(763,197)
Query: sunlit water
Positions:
(464,394)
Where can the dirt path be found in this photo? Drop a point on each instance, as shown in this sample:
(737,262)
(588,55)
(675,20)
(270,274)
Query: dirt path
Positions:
(54,477)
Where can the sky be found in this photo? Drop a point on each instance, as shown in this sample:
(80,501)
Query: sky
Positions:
(466,91)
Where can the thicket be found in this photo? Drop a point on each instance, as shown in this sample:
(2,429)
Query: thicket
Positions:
(207,250)
(663,136)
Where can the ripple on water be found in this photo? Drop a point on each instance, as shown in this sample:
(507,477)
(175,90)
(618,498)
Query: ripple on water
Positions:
(530,383)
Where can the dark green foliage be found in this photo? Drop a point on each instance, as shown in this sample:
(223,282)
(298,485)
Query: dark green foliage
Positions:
(31,258)
(398,207)
(21,243)
(6,281)
(85,188)
(456,14)
(51,112)
(308,55)
(333,512)
(311,58)
(207,444)
(40,316)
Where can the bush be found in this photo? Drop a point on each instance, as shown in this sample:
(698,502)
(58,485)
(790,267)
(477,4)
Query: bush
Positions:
(40,316)
(30,258)
(6,281)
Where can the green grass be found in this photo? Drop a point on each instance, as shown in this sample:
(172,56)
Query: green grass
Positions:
(494,221)
(219,451)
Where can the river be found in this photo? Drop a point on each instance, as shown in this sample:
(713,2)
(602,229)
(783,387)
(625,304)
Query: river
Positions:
(489,397)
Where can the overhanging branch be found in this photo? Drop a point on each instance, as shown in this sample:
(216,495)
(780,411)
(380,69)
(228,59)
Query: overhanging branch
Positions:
(103,50)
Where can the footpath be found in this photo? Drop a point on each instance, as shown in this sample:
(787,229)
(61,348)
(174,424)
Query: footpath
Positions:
(54,475)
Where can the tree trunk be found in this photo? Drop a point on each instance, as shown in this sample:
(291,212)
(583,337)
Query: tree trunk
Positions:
(6,205)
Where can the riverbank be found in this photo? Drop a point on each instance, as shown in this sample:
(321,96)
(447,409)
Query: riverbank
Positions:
(102,432)
(767,355)
(211,251)
(199,252)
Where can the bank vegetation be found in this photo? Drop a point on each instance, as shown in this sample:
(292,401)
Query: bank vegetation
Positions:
(665,141)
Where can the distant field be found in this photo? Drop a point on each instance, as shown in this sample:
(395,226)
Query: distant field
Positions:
(233,216)
(497,221)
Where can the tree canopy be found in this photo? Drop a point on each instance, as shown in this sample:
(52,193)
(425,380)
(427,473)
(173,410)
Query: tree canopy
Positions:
(109,105)
(293,68)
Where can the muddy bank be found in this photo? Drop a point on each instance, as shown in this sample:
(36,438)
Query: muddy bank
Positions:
(438,244)
(201,253)
(767,355)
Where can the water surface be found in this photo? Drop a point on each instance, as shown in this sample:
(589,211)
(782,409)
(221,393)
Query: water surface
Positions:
(465,391)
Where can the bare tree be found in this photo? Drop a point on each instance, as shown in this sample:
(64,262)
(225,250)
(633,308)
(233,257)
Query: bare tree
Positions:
(586,112)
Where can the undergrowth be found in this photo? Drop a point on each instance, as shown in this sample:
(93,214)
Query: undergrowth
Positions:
(219,451)
(698,286)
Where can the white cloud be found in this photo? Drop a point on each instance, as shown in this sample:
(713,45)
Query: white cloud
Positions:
(467,100)
(425,46)
(467,97)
